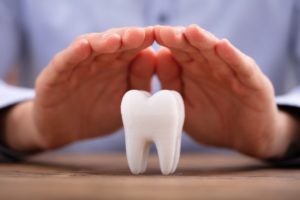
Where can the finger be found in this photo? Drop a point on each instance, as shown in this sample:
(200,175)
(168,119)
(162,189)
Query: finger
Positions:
(142,70)
(64,62)
(114,40)
(104,43)
(174,39)
(204,41)
(140,41)
(67,59)
(168,71)
(245,67)
(171,37)
(131,37)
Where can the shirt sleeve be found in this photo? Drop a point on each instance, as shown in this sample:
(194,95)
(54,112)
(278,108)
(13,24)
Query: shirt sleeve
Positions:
(10,34)
(291,100)
(10,48)
(10,95)
(293,97)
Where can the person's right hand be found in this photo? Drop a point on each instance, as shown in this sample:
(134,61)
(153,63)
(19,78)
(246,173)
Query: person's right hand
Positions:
(78,94)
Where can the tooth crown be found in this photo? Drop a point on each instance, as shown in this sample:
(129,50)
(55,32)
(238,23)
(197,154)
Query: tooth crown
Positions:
(159,119)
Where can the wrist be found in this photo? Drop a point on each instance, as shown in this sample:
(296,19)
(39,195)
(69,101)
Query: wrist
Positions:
(292,149)
(20,132)
(285,135)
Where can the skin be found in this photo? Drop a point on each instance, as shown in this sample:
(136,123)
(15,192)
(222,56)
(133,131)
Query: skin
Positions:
(229,102)
(78,94)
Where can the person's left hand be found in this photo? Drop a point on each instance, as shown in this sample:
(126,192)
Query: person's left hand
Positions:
(229,102)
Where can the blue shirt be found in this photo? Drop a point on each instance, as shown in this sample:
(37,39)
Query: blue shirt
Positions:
(33,31)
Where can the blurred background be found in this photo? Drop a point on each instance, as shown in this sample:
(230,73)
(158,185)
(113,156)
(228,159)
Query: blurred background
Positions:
(33,31)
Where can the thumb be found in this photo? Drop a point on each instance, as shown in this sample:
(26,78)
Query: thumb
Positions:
(142,70)
(168,71)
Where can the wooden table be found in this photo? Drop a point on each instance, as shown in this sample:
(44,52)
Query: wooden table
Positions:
(106,176)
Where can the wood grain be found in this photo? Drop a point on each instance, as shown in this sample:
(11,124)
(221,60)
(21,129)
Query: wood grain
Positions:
(106,176)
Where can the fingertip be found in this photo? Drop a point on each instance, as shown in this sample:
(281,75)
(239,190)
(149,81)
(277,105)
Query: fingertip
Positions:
(168,36)
(81,43)
(225,43)
(157,35)
(105,43)
(192,28)
(195,28)
(133,38)
(200,38)
(224,49)
(149,36)
(149,29)
(83,48)
(111,43)
(194,35)
(132,44)
(179,30)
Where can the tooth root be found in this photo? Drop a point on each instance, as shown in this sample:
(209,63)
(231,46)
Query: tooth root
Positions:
(145,157)
(137,151)
(180,126)
(168,153)
(177,156)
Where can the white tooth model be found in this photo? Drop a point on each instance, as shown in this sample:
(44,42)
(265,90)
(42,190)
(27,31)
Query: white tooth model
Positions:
(152,119)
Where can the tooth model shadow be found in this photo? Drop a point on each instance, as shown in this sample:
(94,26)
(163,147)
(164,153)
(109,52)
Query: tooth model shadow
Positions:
(154,119)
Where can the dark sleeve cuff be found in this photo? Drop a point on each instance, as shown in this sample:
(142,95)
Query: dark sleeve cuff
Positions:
(10,155)
(292,156)
(284,163)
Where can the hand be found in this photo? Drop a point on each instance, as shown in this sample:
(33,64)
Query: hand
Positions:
(229,102)
(78,94)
